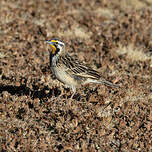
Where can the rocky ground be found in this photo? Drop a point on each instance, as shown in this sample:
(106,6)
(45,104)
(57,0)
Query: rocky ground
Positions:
(36,112)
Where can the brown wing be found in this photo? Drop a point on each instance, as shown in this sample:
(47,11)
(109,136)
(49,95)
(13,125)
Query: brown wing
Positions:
(77,68)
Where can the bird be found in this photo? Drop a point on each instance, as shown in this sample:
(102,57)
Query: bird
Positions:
(69,70)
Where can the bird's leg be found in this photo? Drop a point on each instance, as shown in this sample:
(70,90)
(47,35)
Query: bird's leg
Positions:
(72,95)
(74,91)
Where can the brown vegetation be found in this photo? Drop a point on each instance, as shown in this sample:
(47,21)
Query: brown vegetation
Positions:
(36,113)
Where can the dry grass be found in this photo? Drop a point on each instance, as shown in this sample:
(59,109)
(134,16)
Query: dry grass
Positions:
(133,53)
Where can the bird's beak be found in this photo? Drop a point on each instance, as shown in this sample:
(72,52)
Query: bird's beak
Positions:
(49,42)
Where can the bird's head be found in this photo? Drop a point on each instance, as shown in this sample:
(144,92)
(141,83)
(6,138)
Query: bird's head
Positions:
(57,46)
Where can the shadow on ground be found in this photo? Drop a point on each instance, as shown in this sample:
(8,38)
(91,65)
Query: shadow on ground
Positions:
(24,90)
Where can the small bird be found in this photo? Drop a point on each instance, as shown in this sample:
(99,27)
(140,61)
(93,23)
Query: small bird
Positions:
(69,70)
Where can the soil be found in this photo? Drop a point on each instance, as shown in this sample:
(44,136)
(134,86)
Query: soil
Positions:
(36,111)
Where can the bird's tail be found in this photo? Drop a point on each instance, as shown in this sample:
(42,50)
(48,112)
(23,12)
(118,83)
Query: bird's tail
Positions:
(105,82)
(110,84)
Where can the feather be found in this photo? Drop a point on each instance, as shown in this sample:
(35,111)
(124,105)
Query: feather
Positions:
(77,68)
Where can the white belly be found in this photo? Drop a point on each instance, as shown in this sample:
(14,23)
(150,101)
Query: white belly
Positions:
(65,78)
